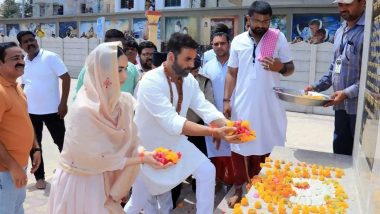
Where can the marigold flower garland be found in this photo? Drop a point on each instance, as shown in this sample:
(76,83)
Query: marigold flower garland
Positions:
(296,188)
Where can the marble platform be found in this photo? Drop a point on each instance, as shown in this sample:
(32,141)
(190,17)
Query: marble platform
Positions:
(310,157)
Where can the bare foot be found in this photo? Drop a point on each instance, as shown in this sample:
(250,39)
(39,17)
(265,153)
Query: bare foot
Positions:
(236,197)
(41,184)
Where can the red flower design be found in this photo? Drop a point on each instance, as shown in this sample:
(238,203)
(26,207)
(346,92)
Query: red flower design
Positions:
(107,83)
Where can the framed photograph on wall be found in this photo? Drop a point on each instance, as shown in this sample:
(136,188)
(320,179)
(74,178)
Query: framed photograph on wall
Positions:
(49,29)
(279,22)
(120,24)
(140,28)
(68,29)
(2,30)
(13,29)
(87,30)
(305,25)
(40,29)
(180,24)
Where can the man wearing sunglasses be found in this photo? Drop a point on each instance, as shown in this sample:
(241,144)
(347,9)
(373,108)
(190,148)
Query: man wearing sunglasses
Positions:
(258,58)
(344,73)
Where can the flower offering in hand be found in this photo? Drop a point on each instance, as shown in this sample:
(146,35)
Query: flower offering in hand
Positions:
(166,156)
(244,129)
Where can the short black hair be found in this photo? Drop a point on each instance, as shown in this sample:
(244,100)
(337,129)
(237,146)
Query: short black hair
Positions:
(220,27)
(3,47)
(197,62)
(221,30)
(158,58)
(131,42)
(146,44)
(178,41)
(113,34)
(221,34)
(23,33)
(260,7)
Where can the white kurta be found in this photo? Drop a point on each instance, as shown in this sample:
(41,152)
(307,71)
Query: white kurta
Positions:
(159,125)
(217,74)
(254,99)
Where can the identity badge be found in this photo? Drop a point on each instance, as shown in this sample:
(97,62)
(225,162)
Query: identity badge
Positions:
(338,65)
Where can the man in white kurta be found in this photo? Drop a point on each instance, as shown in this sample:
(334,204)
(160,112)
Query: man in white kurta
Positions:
(217,74)
(216,70)
(252,74)
(159,125)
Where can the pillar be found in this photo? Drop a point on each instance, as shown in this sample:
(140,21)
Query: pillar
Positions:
(153,17)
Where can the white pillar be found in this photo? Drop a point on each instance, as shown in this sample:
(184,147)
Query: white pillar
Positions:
(117,6)
(185,3)
(160,4)
(139,5)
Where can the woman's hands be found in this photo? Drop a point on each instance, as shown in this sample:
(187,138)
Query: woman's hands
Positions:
(149,158)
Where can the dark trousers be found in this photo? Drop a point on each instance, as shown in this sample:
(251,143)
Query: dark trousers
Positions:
(245,167)
(344,132)
(56,127)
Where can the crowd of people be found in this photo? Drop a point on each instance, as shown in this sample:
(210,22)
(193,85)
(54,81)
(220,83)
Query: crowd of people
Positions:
(131,99)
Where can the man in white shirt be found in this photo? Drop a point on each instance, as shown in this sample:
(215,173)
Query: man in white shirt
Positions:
(165,94)
(43,69)
(216,70)
(258,58)
(210,54)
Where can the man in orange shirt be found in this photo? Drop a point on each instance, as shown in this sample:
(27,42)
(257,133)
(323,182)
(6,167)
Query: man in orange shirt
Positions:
(16,132)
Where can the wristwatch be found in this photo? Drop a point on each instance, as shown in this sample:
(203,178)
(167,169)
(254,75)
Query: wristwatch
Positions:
(283,70)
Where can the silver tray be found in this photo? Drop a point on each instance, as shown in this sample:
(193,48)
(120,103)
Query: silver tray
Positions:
(295,96)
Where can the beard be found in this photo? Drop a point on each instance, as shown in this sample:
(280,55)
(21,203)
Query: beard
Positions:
(259,31)
(182,72)
(347,16)
(147,65)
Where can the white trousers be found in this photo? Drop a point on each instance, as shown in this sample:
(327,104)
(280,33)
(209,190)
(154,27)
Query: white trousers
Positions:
(205,178)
